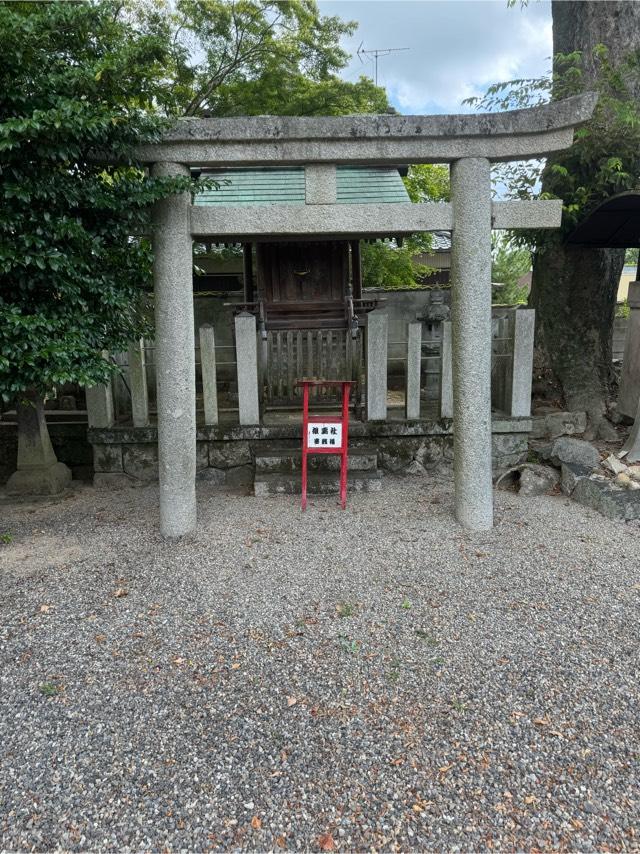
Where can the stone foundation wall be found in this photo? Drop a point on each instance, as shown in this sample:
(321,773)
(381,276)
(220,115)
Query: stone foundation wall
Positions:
(226,456)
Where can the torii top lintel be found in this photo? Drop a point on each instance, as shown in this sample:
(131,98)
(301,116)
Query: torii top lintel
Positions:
(377,139)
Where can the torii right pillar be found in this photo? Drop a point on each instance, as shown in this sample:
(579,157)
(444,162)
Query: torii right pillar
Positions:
(471,326)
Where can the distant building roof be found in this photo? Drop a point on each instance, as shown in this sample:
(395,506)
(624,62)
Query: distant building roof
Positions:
(285,185)
(441,241)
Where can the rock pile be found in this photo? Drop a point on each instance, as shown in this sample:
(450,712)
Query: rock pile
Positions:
(609,486)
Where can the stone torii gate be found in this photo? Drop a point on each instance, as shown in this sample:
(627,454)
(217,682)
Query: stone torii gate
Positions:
(470,143)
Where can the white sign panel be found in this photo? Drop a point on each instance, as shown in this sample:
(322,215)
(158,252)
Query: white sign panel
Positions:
(321,435)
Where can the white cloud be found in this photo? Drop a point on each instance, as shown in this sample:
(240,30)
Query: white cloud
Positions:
(457,48)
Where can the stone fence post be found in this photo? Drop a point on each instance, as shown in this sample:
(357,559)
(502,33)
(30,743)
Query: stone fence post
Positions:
(247,368)
(414,363)
(209,374)
(446,372)
(377,344)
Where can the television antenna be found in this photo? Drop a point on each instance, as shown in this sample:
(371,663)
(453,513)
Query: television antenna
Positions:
(373,55)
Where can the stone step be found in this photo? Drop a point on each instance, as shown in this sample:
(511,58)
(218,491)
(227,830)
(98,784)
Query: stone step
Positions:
(287,460)
(318,483)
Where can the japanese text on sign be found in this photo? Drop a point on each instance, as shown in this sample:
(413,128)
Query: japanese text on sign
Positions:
(321,435)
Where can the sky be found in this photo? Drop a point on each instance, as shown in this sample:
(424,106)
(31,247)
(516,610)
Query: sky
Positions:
(456,47)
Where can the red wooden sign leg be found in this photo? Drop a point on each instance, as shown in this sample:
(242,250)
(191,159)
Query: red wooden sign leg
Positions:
(346,389)
(305,422)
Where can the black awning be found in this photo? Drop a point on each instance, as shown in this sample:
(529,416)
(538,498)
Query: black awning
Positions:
(614,224)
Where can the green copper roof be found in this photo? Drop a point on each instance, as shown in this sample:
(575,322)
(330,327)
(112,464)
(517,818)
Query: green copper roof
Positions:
(285,186)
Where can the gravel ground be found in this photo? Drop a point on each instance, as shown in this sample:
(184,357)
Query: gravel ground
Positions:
(373,679)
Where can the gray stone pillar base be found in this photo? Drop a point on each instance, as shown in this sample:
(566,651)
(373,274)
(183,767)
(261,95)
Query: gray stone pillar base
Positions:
(39,480)
(39,472)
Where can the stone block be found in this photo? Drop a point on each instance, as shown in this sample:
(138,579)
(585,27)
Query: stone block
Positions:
(571,474)
(577,451)
(239,476)
(537,480)
(140,461)
(508,450)
(202,455)
(215,477)
(39,480)
(107,458)
(554,424)
(612,502)
(226,455)
(395,455)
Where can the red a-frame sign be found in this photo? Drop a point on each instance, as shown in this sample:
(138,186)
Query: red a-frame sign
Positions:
(325,434)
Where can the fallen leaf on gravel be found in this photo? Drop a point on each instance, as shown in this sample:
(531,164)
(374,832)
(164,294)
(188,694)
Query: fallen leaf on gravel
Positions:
(398,761)
(545,721)
(256,823)
(530,799)
(44,609)
(281,842)
(291,701)
(445,768)
(120,592)
(326,843)
(101,638)
(235,666)
(577,823)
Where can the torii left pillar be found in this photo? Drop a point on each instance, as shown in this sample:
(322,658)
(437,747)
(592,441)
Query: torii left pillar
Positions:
(175,364)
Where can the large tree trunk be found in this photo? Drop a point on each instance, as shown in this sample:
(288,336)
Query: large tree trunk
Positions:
(574,289)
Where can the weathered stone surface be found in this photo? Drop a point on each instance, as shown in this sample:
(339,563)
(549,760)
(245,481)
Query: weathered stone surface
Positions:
(202,455)
(471,319)
(516,134)
(39,480)
(614,464)
(612,502)
(537,480)
(377,335)
(239,476)
(566,450)
(396,455)
(552,425)
(247,368)
(107,458)
(216,477)
(226,455)
(319,483)
(623,480)
(634,472)
(38,470)
(175,375)
(140,461)
(571,474)
(509,450)
(320,183)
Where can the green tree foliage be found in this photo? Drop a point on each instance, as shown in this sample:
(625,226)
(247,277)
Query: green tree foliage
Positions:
(387,265)
(256,57)
(509,263)
(605,157)
(75,81)
(428,182)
